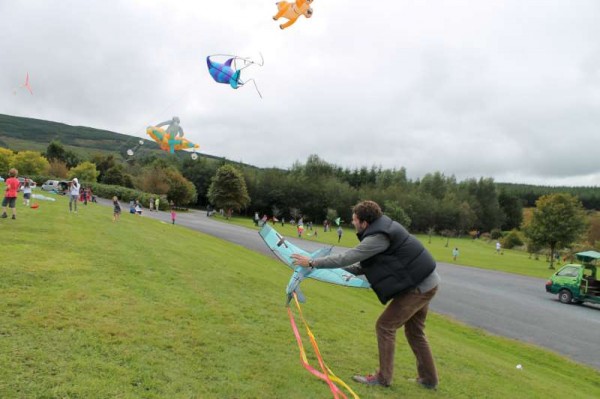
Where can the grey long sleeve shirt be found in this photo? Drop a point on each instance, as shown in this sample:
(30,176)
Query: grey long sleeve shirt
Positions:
(370,246)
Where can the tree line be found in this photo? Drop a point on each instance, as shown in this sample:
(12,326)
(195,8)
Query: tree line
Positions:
(316,189)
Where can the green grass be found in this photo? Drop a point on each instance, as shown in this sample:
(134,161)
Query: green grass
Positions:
(477,253)
(142,309)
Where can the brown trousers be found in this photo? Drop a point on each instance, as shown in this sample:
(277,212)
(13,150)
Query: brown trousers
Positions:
(408,309)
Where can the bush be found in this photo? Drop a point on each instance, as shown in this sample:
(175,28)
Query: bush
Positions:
(496,234)
(512,239)
(125,194)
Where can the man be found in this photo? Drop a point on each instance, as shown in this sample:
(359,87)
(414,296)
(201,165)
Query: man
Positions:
(399,270)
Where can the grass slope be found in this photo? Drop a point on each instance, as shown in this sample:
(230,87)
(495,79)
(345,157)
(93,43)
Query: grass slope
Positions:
(142,309)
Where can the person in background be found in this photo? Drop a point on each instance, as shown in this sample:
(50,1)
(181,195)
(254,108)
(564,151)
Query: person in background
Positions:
(26,192)
(455,253)
(340,231)
(173,215)
(116,209)
(74,194)
(156,204)
(10,196)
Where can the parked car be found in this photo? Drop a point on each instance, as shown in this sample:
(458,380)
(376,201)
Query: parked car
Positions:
(50,185)
(577,282)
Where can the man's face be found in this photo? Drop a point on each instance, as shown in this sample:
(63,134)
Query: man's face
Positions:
(358,225)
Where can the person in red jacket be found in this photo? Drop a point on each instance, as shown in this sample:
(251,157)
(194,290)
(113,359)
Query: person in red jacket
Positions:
(10,197)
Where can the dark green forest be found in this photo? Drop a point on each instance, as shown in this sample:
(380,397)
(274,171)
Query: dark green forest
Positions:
(315,189)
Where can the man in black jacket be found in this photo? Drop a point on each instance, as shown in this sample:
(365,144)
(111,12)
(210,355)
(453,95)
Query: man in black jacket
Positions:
(399,270)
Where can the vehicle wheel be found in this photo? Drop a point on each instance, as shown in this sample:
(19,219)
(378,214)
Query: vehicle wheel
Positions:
(565,296)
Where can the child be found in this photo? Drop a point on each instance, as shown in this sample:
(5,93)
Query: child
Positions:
(173,215)
(10,198)
(340,231)
(26,192)
(455,253)
(117,209)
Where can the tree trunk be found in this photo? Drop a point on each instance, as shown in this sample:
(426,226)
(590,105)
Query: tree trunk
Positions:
(551,257)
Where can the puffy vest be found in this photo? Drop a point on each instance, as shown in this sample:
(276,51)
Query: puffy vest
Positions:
(402,266)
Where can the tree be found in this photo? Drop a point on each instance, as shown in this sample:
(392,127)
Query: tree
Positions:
(56,152)
(85,171)
(181,191)
(30,163)
(395,212)
(58,169)
(512,207)
(228,189)
(558,220)
(6,157)
(115,176)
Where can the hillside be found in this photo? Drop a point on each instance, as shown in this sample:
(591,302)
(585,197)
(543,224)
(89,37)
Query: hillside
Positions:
(18,133)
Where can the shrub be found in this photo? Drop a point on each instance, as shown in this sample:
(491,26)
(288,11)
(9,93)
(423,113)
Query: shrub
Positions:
(125,194)
(512,239)
(496,234)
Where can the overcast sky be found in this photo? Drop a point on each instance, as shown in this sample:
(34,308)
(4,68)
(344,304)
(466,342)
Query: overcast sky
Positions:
(508,89)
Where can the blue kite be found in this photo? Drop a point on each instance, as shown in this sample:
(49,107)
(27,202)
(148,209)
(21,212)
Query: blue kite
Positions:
(227,72)
(284,249)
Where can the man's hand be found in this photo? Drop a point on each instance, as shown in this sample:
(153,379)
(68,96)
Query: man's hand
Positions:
(300,260)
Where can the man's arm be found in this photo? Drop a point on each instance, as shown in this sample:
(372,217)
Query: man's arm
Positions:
(370,246)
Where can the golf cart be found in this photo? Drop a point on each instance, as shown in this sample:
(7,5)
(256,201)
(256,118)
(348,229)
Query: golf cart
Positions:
(577,282)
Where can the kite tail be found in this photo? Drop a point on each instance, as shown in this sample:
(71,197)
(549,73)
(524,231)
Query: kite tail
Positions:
(326,375)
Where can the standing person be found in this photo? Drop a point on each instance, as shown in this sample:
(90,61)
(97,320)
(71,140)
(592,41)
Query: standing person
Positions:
(10,196)
(116,209)
(74,194)
(455,253)
(151,204)
(498,247)
(173,215)
(400,270)
(157,203)
(340,231)
(26,192)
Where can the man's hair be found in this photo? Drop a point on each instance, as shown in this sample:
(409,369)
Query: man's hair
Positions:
(367,211)
(13,172)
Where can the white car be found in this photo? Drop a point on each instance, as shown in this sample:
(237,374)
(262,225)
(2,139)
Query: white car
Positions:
(50,185)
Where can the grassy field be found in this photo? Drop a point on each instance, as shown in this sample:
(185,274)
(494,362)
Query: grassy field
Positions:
(477,253)
(142,309)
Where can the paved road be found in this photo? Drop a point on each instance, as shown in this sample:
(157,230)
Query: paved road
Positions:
(505,304)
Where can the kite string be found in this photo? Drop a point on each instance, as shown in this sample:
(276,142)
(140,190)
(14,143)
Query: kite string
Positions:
(327,375)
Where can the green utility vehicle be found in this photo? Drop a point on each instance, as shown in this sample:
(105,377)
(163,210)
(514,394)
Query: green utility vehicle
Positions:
(577,282)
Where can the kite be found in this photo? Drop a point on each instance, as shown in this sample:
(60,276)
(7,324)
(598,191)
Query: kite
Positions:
(27,85)
(292,11)
(171,139)
(284,249)
(228,73)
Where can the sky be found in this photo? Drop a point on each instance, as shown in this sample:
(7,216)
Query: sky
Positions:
(508,89)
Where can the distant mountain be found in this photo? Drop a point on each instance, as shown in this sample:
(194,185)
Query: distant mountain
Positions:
(18,134)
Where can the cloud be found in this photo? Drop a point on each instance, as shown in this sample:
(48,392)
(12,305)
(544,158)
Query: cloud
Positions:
(509,90)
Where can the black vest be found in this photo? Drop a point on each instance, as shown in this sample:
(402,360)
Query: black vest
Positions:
(402,266)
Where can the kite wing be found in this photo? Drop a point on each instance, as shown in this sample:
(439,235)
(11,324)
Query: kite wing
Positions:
(284,249)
